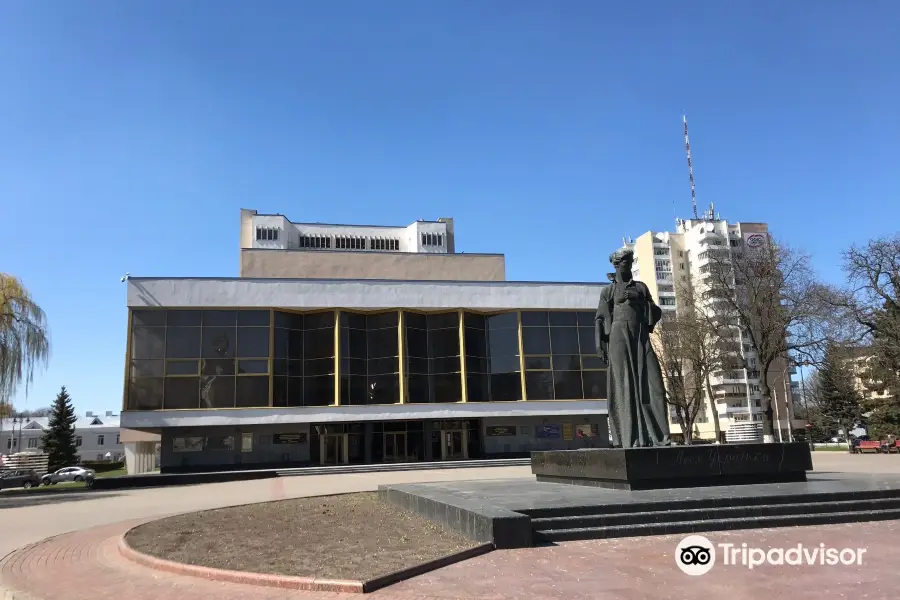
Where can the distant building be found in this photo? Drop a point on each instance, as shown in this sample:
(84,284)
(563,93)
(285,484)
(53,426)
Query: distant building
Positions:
(663,260)
(96,436)
(857,360)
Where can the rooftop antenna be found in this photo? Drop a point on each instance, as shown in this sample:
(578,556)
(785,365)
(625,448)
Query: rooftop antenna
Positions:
(687,147)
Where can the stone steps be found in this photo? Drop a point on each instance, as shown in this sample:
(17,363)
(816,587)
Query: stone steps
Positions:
(595,533)
(415,466)
(676,517)
(714,502)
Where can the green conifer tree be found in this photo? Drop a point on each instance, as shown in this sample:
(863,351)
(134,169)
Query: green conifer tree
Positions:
(839,400)
(59,439)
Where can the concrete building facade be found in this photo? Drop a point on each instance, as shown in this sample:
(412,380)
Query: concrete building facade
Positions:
(373,363)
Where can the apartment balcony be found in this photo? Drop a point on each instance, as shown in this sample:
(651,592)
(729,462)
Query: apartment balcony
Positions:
(664,276)
(728,379)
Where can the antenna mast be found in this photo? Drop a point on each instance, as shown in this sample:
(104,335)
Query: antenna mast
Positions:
(687,147)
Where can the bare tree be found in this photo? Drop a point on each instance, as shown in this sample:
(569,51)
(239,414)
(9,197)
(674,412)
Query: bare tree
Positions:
(872,301)
(692,345)
(770,292)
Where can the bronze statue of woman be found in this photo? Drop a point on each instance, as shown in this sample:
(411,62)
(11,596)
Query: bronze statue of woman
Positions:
(636,395)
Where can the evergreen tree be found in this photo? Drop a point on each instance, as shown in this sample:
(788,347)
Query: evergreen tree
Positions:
(838,398)
(881,374)
(59,439)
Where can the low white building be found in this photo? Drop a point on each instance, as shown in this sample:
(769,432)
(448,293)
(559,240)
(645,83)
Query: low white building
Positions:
(97,436)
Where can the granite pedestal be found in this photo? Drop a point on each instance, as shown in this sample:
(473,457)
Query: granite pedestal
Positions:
(674,466)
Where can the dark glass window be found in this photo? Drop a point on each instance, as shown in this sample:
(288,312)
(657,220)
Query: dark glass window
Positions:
(558,346)
(147,368)
(492,357)
(217,392)
(253,318)
(183,318)
(563,340)
(433,364)
(219,342)
(183,367)
(145,393)
(279,391)
(148,318)
(219,318)
(539,385)
(318,391)
(536,340)
(586,318)
(182,342)
(370,363)
(251,391)
(533,318)
(253,367)
(594,384)
(148,342)
(182,393)
(303,364)
(253,342)
(216,366)
(567,385)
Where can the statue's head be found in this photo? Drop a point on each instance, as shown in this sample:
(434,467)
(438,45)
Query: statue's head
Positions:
(622,260)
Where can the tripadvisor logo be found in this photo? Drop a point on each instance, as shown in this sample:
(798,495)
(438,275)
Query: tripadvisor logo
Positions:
(696,555)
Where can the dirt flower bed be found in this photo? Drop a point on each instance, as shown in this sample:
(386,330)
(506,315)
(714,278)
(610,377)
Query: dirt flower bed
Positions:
(351,536)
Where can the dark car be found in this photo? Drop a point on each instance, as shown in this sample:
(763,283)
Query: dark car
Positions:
(22,479)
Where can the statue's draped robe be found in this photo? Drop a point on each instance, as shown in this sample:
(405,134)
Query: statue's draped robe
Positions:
(638,416)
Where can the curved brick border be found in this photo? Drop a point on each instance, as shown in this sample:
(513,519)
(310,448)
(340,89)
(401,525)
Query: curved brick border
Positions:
(277,581)
(295,583)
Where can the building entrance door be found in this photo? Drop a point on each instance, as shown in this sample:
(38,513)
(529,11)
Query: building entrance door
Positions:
(454,444)
(395,447)
(334,449)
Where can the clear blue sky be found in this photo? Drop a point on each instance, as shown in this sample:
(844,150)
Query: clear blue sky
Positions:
(132,132)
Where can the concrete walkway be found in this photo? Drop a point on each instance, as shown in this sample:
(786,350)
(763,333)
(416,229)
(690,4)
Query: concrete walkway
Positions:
(29,518)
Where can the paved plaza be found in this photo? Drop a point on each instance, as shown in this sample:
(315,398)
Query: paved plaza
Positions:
(63,546)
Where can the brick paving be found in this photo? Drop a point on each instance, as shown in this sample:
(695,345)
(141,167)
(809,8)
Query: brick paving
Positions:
(87,565)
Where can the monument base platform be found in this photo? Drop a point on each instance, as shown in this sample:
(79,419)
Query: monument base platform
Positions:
(674,466)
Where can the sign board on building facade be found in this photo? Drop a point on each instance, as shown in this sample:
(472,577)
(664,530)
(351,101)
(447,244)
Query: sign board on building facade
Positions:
(501,430)
(289,438)
(586,431)
(547,431)
(756,240)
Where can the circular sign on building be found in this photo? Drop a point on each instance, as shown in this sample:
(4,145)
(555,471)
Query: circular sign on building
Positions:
(756,240)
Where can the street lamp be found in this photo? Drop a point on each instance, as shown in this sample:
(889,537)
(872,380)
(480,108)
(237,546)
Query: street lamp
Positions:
(20,422)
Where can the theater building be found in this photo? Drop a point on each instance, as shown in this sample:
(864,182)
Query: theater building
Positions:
(353,345)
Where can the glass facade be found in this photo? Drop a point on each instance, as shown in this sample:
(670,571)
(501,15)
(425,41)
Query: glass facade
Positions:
(303,360)
(561,361)
(370,358)
(493,365)
(193,359)
(433,366)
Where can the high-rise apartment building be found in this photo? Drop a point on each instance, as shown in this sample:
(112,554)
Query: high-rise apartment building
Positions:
(663,260)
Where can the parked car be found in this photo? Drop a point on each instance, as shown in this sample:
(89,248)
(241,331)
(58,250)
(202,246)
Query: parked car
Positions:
(68,474)
(22,478)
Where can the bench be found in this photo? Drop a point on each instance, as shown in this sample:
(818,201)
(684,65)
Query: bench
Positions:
(864,445)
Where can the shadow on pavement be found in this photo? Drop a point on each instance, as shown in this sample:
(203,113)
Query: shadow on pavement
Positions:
(43,499)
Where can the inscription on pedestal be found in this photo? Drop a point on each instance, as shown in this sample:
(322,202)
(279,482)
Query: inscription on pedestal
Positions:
(675,466)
